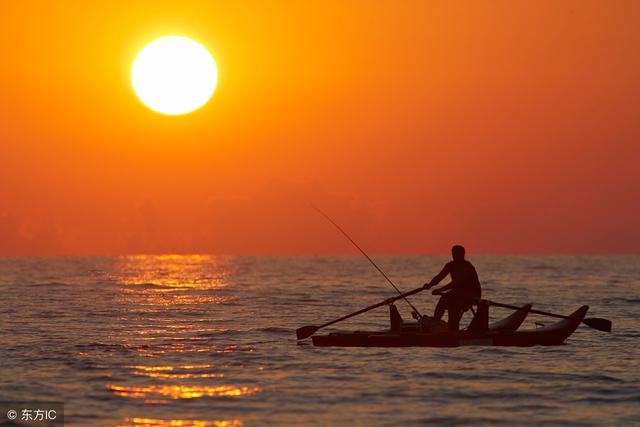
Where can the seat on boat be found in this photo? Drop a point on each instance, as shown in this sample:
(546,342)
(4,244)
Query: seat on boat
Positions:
(425,324)
(395,318)
(480,321)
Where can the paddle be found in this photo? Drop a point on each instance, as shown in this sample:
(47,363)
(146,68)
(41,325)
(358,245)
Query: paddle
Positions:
(593,322)
(307,331)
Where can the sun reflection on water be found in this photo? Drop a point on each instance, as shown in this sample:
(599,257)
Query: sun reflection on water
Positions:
(168,368)
(152,422)
(182,391)
(168,273)
(165,304)
(170,280)
(169,372)
(171,297)
(167,307)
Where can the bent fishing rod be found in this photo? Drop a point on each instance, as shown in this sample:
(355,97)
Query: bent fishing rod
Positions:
(367,256)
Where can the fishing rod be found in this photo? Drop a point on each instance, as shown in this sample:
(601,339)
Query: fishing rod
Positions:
(415,310)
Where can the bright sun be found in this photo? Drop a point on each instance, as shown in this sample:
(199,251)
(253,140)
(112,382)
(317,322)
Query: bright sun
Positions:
(174,75)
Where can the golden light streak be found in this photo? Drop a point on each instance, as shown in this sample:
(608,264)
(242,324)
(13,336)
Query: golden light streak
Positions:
(153,422)
(182,392)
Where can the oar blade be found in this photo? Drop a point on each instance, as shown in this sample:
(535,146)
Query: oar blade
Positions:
(306,331)
(598,323)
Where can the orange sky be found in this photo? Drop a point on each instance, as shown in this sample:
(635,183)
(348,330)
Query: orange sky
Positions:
(510,127)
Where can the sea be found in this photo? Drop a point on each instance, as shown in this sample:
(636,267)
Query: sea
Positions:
(199,340)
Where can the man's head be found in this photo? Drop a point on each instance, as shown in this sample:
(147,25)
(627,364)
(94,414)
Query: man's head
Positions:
(457,252)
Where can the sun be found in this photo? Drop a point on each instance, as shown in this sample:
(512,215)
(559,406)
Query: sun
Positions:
(174,75)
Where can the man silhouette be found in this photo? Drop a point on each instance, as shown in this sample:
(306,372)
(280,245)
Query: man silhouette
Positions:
(459,295)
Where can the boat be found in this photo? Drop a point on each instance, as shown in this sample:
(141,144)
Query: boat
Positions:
(501,333)
(428,332)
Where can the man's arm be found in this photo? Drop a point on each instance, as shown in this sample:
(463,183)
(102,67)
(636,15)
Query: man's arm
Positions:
(442,289)
(438,278)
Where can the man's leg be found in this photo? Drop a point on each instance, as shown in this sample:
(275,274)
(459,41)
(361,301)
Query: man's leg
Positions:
(442,305)
(454,316)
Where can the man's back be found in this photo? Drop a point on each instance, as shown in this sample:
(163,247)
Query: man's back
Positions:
(464,276)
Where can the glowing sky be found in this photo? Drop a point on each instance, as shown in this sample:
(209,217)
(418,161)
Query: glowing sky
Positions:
(510,127)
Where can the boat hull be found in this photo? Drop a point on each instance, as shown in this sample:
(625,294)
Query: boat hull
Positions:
(554,334)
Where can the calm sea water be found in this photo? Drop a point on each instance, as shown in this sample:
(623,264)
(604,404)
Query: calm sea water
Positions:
(209,341)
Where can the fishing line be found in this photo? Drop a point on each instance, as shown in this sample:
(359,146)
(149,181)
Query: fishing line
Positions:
(367,256)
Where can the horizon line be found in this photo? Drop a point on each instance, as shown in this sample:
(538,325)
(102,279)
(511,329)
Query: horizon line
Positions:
(318,255)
